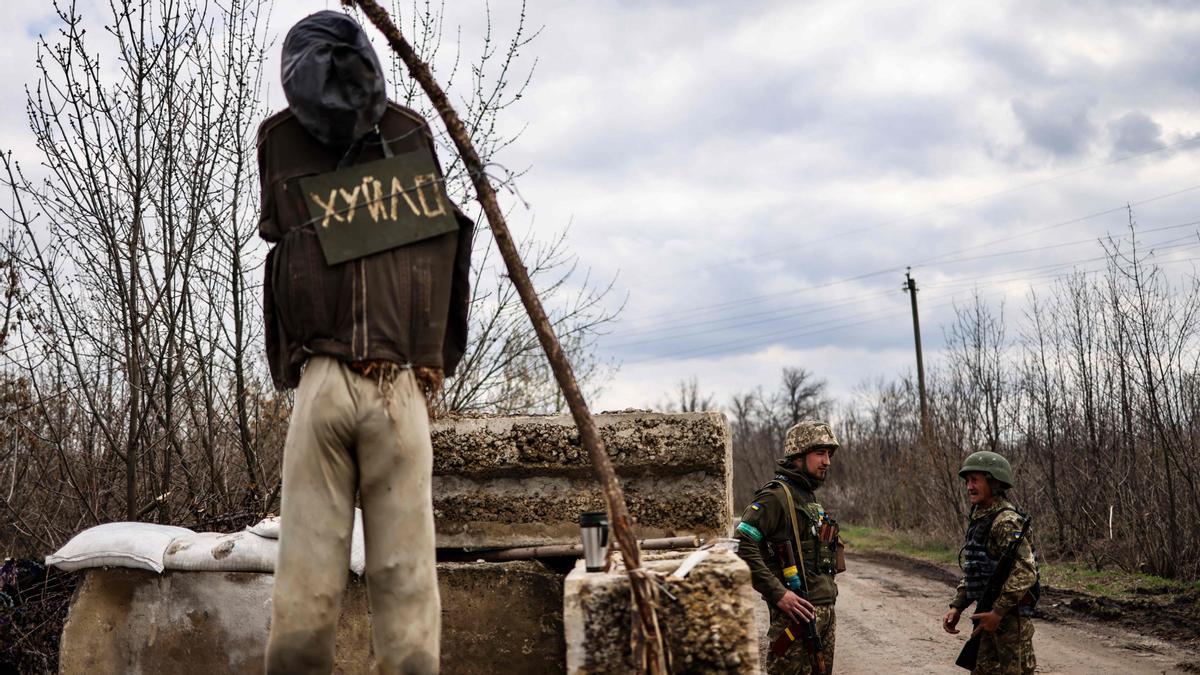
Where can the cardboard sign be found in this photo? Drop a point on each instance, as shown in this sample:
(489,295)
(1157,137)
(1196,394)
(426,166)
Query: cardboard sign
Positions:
(379,205)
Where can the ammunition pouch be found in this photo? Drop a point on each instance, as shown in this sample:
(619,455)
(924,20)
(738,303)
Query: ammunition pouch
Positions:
(821,550)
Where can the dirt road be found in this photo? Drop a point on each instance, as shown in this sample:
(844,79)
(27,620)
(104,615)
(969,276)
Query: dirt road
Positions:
(889,621)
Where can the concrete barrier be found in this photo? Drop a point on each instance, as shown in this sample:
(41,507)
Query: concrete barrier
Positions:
(498,481)
(708,617)
(517,481)
(496,617)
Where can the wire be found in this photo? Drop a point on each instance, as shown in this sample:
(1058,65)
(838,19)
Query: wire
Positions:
(1072,221)
(1089,240)
(659,327)
(775,252)
(774,313)
(1160,246)
(764,297)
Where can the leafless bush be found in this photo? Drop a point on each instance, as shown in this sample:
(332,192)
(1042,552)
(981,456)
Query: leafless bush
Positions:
(1095,403)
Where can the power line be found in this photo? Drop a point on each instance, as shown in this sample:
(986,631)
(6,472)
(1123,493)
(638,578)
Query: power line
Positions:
(775,314)
(768,338)
(660,327)
(1089,240)
(763,297)
(776,252)
(958,284)
(1072,221)
(706,349)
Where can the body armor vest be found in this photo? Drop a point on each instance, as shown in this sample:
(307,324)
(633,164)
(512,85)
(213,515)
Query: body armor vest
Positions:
(978,566)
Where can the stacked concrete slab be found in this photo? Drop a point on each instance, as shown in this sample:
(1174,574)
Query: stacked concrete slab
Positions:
(707,616)
(515,481)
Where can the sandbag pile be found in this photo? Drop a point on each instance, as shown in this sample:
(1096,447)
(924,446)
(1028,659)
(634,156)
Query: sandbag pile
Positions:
(154,547)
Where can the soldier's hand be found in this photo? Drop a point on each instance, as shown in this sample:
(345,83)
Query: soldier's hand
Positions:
(951,620)
(988,621)
(796,607)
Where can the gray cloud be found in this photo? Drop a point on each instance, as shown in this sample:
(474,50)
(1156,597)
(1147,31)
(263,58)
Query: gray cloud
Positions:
(711,155)
(1059,123)
(1134,132)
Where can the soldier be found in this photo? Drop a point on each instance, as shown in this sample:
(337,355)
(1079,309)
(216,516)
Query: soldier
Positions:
(785,511)
(366,340)
(1006,645)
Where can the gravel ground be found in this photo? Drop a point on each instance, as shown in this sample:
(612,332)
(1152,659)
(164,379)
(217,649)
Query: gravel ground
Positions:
(889,613)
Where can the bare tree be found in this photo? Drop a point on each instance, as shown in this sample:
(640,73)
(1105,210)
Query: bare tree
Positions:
(760,424)
(145,168)
(1096,405)
(503,370)
(688,398)
(132,381)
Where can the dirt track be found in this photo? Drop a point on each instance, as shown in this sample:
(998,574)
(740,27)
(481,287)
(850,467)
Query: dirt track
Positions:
(889,621)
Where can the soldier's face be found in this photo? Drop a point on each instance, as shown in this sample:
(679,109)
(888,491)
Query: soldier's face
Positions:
(816,463)
(979,491)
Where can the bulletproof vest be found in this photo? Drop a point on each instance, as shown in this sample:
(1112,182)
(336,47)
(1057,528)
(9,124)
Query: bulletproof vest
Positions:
(978,566)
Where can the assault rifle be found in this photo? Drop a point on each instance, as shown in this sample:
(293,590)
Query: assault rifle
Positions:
(970,651)
(804,630)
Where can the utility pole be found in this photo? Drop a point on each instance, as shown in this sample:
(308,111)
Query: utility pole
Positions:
(910,285)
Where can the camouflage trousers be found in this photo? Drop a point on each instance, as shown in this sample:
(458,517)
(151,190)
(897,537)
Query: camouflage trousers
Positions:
(796,661)
(1008,651)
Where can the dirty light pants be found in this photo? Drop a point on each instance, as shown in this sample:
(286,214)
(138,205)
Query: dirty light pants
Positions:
(342,439)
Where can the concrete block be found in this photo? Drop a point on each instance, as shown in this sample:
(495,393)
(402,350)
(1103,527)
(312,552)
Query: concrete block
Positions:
(517,481)
(496,617)
(501,618)
(134,621)
(708,618)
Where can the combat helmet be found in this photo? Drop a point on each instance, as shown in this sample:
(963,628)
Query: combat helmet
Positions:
(808,436)
(990,463)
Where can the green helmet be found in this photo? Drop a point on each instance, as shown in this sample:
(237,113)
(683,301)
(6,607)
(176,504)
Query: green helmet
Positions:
(990,463)
(808,436)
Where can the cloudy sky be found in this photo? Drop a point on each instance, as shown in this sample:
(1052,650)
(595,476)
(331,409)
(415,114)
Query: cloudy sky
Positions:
(758,175)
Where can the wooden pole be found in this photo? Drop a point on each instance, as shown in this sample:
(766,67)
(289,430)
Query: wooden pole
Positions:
(910,285)
(649,641)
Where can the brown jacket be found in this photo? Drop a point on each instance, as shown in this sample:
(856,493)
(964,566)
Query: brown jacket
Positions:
(407,305)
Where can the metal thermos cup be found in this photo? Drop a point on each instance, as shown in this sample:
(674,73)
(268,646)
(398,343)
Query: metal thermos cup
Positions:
(593,527)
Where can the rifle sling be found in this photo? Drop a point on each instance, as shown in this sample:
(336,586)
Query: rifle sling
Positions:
(787,492)
(995,584)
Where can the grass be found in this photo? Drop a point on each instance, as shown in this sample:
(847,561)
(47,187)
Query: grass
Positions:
(1108,582)
(916,545)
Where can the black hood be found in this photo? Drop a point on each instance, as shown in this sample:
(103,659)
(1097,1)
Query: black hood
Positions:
(332,78)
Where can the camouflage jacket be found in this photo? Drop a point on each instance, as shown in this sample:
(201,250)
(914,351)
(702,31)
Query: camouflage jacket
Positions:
(1024,574)
(765,524)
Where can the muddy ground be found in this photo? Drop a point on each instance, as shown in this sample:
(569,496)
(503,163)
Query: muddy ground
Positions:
(890,607)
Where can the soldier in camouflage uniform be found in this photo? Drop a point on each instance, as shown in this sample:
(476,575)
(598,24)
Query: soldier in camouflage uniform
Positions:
(1007,644)
(766,525)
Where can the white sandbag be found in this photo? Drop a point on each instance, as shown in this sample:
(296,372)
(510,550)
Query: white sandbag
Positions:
(137,545)
(216,552)
(269,529)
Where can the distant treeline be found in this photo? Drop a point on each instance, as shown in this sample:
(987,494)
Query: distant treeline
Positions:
(1094,397)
